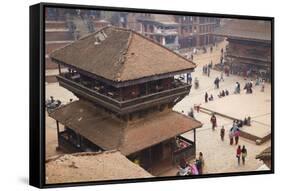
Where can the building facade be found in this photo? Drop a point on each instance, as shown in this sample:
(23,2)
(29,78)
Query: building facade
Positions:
(161,28)
(248,52)
(196,31)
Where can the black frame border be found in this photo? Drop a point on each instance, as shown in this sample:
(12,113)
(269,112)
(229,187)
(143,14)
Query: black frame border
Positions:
(37,94)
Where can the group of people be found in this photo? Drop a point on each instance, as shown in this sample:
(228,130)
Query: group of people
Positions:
(237,89)
(247,121)
(234,134)
(208,98)
(207,69)
(241,153)
(185,168)
(248,87)
(223,93)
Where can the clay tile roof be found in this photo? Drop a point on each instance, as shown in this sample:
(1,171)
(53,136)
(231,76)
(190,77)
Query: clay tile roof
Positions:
(245,29)
(265,154)
(81,167)
(111,133)
(121,55)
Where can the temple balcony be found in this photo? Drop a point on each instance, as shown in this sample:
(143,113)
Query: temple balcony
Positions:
(117,100)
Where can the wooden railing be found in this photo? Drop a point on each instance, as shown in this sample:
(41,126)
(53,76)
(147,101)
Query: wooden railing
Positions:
(187,153)
(117,105)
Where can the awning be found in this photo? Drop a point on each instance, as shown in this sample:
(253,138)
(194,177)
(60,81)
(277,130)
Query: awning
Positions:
(109,132)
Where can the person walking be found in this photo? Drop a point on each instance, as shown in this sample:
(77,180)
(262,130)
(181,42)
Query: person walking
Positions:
(201,163)
(236,88)
(257,81)
(216,82)
(191,113)
(198,166)
(211,98)
(196,83)
(222,132)
(208,71)
(204,69)
(221,60)
(206,97)
(231,136)
(221,79)
(236,136)
(262,86)
(213,121)
(238,154)
(244,154)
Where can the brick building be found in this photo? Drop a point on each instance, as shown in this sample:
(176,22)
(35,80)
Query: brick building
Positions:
(196,31)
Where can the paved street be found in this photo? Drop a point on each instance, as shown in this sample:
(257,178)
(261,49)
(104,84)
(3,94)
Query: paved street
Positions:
(220,156)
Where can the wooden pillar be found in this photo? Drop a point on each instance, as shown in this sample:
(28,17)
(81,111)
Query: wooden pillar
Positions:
(146,88)
(58,131)
(194,139)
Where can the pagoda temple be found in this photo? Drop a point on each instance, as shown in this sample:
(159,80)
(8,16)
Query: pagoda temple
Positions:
(127,85)
(249,46)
